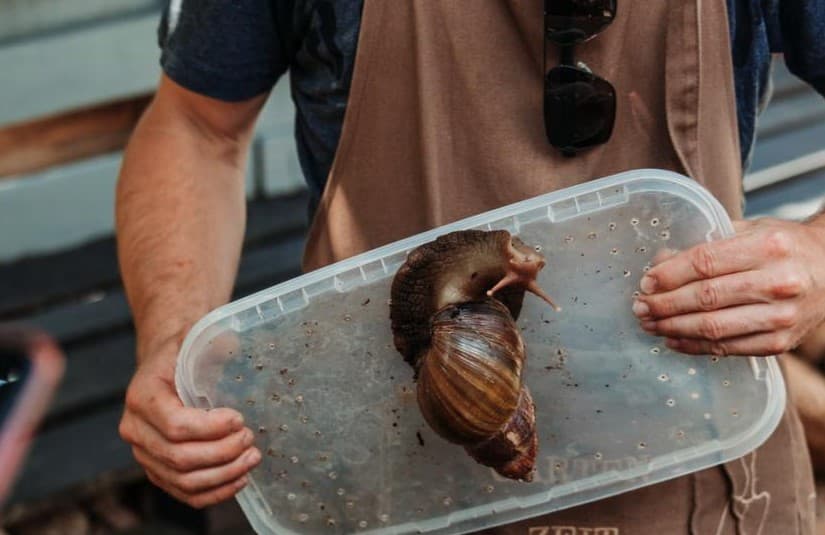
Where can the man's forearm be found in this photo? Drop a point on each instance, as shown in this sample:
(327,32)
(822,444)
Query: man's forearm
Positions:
(180,223)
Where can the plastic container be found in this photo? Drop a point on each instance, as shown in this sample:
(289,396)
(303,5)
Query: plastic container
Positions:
(311,365)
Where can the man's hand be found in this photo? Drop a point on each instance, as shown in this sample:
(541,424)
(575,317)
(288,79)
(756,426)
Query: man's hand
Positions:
(199,457)
(180,227)
(757,293)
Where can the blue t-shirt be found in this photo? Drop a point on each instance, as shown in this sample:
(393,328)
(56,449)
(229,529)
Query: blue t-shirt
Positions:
(234,50)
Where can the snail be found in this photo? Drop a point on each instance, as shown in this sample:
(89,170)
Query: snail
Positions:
(453,307)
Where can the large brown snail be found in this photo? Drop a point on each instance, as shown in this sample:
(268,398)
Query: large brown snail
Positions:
(453,308)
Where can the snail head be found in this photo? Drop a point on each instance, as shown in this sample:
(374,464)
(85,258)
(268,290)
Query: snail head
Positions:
(523,266)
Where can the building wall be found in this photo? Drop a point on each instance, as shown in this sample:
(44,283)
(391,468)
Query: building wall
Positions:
(52,69)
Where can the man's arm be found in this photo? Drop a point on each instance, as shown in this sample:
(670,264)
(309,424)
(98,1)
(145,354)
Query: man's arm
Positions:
(757,293)
(180,223)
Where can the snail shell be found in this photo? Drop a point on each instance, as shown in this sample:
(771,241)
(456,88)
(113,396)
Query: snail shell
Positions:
(453,308)
(470,389)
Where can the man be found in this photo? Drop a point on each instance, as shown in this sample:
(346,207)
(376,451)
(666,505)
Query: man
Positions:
(414,114)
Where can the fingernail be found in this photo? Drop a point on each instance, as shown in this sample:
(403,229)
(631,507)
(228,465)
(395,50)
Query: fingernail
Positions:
(237,421)
(253,457)
(641,309)
(663,255)
(241,483)
(672,343)
(648,284)
(248,437)
(649,326)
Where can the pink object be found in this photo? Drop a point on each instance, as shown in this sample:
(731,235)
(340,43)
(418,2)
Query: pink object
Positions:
(28,405)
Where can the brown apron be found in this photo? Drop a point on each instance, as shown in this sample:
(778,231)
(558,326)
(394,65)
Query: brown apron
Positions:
(444,120)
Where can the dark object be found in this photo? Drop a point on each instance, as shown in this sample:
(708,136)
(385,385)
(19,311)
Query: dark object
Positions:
(464,345)
(579,107)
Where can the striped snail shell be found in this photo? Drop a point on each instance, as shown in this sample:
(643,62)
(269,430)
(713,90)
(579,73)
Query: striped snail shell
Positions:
(453,308)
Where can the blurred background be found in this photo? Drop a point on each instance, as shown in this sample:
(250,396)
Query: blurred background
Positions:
(74,79)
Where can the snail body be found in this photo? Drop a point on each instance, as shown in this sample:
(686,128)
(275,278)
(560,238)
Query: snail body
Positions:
(453,309)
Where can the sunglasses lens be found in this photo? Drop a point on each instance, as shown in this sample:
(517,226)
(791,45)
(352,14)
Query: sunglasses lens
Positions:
(568,22)
(579,109)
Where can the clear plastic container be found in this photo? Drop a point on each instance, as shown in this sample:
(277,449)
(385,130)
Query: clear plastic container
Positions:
(311,365)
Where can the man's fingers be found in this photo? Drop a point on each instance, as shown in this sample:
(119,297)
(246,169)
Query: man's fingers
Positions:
(194,482)
(217,495)
(705,261)
(662,255)
(186,424)
(705,295)
(184,456)
(743,225)
(725,323)
(763,344)
(162,408)
(202,499)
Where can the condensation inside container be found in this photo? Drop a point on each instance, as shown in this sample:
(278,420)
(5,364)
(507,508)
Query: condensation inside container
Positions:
(345,448)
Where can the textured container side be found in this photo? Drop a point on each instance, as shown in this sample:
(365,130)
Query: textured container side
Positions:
(382,262)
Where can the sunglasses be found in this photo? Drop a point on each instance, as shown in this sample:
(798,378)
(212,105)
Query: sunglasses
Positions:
(579,107)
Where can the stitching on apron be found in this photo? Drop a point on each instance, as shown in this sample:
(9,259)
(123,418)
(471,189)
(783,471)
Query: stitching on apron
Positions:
(695,113)
(682,82)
